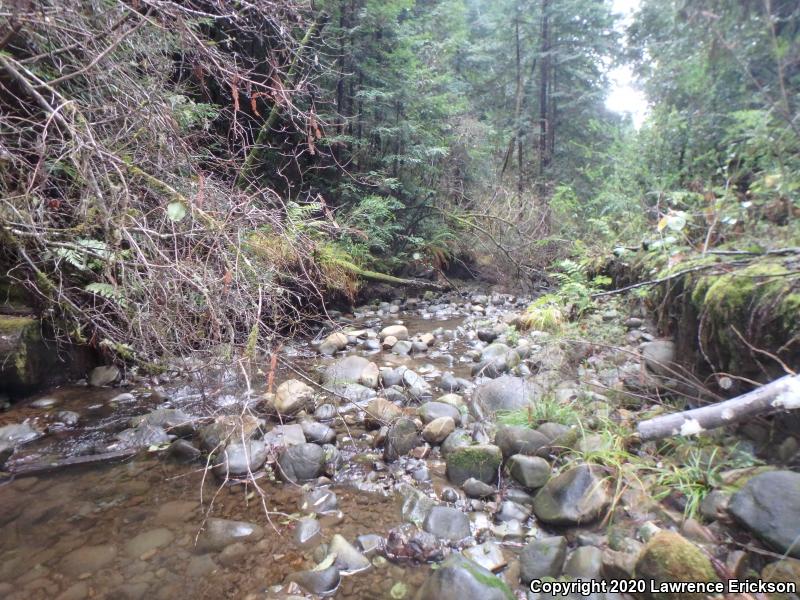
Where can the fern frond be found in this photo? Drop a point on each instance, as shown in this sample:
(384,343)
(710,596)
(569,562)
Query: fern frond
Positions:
(107,291)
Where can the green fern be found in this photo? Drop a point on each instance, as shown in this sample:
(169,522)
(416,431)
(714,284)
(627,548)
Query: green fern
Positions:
(107,291)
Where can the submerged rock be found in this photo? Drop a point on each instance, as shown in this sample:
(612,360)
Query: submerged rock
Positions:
(219,533)
(769,506)
(576,496)
(16,434)
(348,558)
(322,582)
(458,578)
(352,370)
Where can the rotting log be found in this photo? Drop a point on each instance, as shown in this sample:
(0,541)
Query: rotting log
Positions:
(781,394)
(420,284)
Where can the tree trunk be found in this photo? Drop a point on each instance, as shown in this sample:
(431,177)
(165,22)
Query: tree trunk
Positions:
(256,155)
(781,394)
(544,78)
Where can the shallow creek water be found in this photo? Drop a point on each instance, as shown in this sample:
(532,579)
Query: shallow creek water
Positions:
(128,529)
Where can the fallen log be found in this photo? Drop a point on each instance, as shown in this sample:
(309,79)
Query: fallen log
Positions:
(781,394)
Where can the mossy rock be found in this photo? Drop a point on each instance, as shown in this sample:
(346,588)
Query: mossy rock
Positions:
(480,462)
(787,569)
(20,345)
(458,578)
(668,556)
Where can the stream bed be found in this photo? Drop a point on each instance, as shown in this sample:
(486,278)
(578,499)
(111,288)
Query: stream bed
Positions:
(161,523)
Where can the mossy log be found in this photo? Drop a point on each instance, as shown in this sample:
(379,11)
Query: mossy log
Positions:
(782,394)
(384,278)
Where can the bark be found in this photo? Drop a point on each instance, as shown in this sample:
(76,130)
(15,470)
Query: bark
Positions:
(781,394)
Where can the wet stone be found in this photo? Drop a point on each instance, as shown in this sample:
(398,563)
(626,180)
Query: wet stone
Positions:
(401,438)
(218,533)
(319,501)
(489,555)
(458,578)
(431,411)
(530,471)
(148,541)
(322,582)
(480,462)
(447,523)
(302,462)
(307,532)
(87,559)
(542,558)
(318,433)
(477,489)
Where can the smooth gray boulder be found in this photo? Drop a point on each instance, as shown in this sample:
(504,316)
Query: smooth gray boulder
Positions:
(577,496)
(542,558)
(239,459)
(447,523)
(302,462)
(434,410)
(530,471)
(505,393)
(769,506)
(518,439)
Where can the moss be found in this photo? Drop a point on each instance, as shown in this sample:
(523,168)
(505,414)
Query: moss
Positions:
(11,324)
(24,334)
(480,461)
(668,556)
(488,580)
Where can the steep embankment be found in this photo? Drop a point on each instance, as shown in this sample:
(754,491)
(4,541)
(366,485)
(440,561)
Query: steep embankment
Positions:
(730,312)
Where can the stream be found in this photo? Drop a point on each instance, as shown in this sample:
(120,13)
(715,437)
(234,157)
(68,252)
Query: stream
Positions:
(159,524)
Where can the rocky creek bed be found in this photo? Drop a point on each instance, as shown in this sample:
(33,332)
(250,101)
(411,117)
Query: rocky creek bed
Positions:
(426,448)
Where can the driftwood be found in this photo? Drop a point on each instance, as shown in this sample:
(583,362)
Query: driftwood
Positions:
(781,394)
